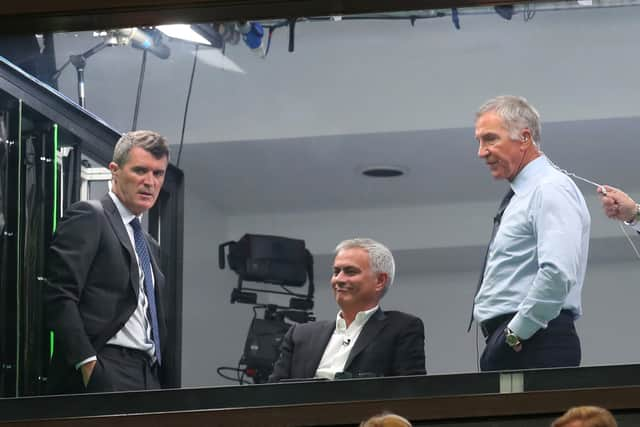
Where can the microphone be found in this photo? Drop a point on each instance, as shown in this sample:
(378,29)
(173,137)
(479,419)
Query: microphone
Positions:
(346,342)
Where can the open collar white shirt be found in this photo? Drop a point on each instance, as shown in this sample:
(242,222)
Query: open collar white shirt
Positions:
(336,353)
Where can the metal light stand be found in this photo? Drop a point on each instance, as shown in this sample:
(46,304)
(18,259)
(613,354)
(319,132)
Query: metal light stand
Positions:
(80,62)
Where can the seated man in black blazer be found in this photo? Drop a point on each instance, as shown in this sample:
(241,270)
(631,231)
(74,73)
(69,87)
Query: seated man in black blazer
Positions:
(364,340)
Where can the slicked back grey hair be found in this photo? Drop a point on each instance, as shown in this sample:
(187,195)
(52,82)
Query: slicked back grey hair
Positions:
(516,113)
(380,257)
(148,140)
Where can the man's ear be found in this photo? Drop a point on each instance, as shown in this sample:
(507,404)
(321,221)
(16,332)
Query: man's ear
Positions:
(382,279)
(525,140)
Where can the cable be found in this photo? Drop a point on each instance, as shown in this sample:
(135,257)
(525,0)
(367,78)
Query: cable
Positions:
(292,34)
(220,369)
(529,11)
(604,192)
(411,18)
(272,29)
(573,175)
(143,67)
(624,231)
(186,105)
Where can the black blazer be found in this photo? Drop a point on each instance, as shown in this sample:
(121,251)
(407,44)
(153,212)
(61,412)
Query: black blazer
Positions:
(92,286)
(391,343)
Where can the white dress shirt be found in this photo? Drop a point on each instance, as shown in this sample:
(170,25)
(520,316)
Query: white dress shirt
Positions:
(337,351)
(136,333)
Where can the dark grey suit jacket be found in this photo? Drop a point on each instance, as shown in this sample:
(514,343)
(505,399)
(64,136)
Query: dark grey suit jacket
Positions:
(92,287)
(391,343)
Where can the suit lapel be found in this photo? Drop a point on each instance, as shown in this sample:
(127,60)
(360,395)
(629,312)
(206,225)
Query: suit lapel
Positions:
(115,220)
(367,335)
(319,344)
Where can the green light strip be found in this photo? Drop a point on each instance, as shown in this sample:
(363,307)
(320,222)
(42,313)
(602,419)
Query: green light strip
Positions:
(18,245)
(55,208)
(55,177)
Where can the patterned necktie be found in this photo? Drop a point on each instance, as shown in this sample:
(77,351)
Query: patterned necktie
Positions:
(496,224)
(145,264)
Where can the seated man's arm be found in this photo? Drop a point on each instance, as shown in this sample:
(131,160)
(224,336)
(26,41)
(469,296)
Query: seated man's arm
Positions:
(409,358)
(282,367)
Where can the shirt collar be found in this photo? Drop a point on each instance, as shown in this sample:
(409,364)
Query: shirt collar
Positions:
(125,213)
(528,177)
(361,318)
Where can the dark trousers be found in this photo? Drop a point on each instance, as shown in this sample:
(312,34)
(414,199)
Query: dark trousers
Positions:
(555,346)
(123,369)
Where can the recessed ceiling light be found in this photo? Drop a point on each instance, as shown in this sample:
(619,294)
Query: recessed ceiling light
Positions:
(382,172)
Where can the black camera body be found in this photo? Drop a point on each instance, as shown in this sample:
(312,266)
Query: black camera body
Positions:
(268,259)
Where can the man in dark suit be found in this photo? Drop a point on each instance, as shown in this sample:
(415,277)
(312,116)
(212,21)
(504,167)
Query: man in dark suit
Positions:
(104,285)
(364,340)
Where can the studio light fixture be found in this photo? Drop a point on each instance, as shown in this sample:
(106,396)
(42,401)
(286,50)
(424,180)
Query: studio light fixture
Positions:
(183,32)
(217,34)
(203,35)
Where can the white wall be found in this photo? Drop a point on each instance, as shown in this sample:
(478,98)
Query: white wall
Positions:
(213,330)
(609,325)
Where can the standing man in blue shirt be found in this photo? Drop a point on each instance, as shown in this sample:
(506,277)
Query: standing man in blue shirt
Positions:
(530,291)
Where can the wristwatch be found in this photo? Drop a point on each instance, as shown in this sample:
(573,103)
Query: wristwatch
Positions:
(636,217)
(512,340)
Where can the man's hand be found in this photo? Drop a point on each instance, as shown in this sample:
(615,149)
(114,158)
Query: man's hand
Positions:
(617,204)
(87,370)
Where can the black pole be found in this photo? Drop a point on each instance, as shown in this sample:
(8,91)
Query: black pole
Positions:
(80,62)
(292,34)
(80,78)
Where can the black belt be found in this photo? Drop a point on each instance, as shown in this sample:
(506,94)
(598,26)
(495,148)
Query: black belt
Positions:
(488,327)
(128,352)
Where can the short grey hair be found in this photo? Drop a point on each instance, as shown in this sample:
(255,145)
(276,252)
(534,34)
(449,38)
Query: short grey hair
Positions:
(516,113)
(148,140)
(380,257)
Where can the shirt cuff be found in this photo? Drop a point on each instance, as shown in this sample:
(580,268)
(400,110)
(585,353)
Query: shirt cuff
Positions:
(85,361)
(523,327)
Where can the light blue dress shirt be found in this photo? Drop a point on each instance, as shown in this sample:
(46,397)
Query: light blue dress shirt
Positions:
(538,259)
